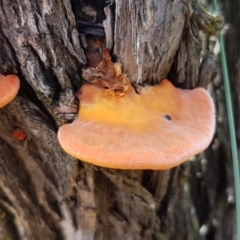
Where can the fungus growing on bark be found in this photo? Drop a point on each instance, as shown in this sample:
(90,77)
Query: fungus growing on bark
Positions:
(9,86)
(159,128)
(19,134)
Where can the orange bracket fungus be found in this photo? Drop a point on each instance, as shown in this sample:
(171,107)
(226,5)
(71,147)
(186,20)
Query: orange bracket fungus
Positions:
(159,128)
(9,86)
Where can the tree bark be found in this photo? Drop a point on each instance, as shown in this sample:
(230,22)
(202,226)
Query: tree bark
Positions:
(47,194)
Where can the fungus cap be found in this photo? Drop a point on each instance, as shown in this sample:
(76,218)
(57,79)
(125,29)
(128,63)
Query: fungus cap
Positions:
(9,86)
(159,128)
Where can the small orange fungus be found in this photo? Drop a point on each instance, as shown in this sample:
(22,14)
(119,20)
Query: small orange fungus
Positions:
(159,128)
(9,86)
(19,134)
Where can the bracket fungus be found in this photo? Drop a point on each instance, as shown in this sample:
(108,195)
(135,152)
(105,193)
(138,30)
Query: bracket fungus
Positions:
(159,128)
(9,86)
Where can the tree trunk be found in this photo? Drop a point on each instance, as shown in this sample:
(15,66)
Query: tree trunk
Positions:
(47,194)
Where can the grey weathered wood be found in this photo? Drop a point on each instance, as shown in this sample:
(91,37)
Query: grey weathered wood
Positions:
(150,38)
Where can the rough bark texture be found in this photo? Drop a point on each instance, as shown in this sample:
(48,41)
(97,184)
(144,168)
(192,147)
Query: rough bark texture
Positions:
(46,194)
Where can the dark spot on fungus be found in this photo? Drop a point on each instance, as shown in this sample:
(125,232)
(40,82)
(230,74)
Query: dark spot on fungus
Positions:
(168,117)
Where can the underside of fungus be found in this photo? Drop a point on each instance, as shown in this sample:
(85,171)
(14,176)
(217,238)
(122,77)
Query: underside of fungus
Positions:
(9,86)
(157,128)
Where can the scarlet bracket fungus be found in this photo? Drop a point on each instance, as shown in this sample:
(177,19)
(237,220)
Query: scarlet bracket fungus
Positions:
(9,86)
(159,128)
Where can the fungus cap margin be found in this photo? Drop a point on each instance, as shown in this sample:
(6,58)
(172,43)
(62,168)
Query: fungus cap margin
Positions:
(9,86)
